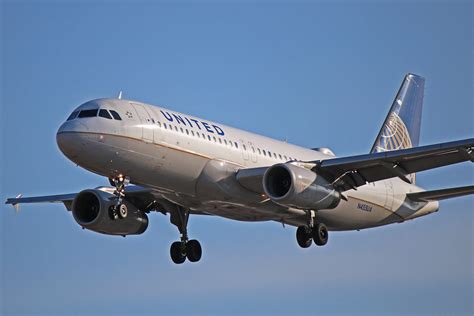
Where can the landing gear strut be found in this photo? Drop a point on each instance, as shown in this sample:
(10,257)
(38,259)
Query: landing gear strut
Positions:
(119,210)
(180,250)
(314,231)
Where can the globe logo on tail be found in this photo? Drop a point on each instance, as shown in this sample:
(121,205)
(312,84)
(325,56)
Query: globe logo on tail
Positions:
(394,136)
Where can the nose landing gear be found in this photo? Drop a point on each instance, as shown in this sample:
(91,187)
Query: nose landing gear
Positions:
(119,210)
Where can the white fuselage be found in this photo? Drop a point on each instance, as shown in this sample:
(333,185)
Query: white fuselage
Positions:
(192,162)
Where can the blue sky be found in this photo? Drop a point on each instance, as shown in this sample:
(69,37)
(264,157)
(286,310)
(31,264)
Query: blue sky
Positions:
(315,73)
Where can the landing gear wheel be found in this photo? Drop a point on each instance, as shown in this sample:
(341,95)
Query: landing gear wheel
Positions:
(122,210)
(193,250)
(303,236)
(176,252)
(320,234)
(113,213)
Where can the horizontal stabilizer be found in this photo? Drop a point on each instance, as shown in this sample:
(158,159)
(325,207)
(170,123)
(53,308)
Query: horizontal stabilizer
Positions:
(442,194)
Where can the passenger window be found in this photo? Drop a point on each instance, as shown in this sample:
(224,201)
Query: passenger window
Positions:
(209,137)
(253,150)
(105,114)
(225,141)
(270,154)
(286,158)
(220,141)
(181,130)
(159,124)
(245,148)
(192,132)
(264,153)
(73,115)
(281,158)
(115,115)
(88,113)
(259,151)
(175,128)
(236,146)
(214,139)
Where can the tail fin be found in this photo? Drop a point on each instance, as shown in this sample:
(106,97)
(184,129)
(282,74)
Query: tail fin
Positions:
(401,128)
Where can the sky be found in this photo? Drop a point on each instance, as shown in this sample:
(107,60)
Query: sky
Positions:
(316,73)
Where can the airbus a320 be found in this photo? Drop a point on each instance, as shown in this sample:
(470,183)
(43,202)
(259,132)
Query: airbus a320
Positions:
(158,160)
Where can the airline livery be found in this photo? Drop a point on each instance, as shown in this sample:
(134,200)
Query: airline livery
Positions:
(158,160)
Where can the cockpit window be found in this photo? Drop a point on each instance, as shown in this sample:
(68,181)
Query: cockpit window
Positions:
(115,115)
(88,113)
(73,115)
(104,113)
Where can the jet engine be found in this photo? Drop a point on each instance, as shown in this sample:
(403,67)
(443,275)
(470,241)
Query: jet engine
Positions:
(91,209)
(291,185)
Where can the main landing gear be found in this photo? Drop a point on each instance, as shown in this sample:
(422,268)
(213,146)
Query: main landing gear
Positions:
(314,231)
(119,210)
(180,250)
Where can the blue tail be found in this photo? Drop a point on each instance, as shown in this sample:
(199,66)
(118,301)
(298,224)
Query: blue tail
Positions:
(401,128)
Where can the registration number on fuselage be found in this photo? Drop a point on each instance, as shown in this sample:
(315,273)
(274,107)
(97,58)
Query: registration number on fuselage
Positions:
(364,207)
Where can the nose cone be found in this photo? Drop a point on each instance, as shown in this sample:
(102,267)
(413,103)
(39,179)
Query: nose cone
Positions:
(67,143)
(69,140)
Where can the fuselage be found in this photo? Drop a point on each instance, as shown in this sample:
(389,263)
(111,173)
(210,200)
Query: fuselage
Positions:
(192,162)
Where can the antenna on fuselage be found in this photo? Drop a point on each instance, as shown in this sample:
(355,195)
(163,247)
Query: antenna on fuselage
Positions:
(120,95)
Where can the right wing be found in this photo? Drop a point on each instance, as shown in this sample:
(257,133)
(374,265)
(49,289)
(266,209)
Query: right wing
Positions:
(66,199)
(436,195)
(139,196)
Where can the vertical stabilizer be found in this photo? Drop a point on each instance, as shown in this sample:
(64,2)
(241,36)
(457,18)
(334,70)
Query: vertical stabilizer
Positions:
(401,128)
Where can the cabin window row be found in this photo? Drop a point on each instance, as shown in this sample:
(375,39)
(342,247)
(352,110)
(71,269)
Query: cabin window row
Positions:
(262,152)
(199,135)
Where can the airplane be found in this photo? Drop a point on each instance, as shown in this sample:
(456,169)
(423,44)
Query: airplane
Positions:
(158,160)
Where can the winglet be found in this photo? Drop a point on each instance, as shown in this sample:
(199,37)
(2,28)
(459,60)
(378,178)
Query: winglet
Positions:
(16,206)
(120,95)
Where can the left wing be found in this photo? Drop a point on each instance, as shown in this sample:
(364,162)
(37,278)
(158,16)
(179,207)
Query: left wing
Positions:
(436,195)
(350,172)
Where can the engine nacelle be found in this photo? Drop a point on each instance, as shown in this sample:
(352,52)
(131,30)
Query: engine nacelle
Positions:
(290,185)
(91,208)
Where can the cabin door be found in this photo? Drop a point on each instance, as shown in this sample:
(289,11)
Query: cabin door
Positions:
(245,150)
(147,124)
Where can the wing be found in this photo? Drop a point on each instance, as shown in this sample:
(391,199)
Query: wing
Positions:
(350,172)
(62,198)
(437,195)
(139,196)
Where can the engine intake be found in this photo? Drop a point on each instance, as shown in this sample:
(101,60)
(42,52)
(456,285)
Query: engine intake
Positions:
(295,186)
(91,209)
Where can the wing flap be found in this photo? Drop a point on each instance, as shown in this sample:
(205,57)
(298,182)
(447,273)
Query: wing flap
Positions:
(436,195)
